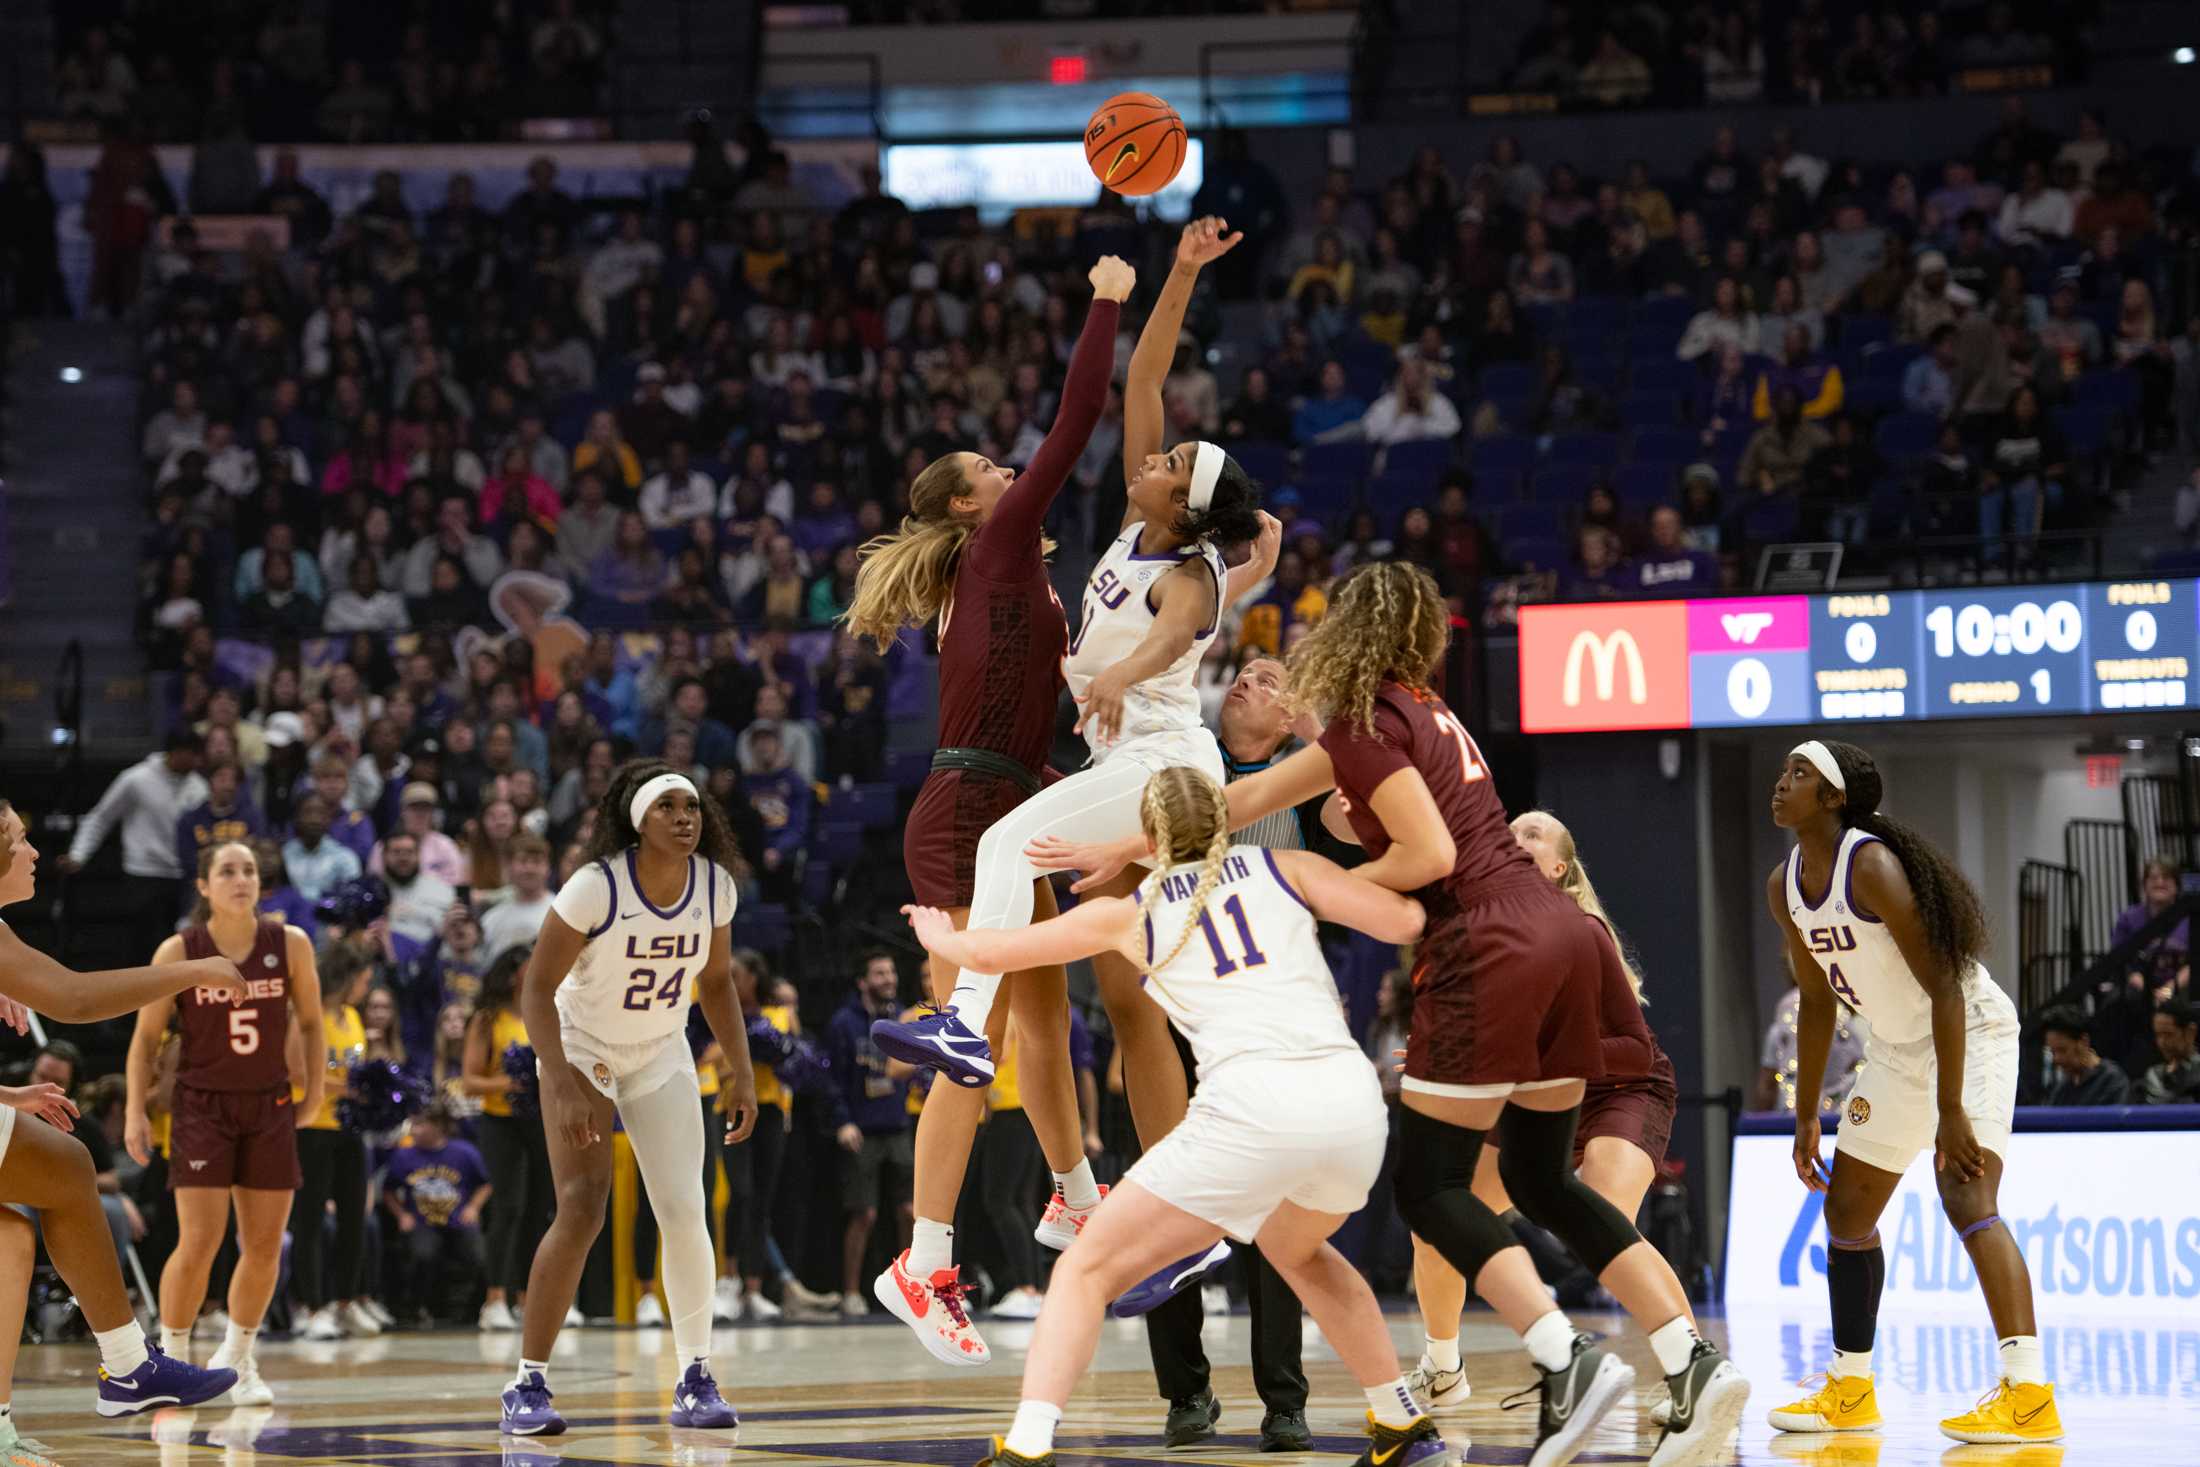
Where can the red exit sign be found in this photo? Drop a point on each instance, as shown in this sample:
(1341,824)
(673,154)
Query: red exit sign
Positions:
(1066,71)
(2103,771)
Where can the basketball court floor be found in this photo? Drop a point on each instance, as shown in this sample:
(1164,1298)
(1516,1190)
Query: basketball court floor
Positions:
(863,1392)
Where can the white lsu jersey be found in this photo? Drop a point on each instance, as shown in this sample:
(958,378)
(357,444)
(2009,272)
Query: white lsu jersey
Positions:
(1251,981)
(635,980)
(1862,964)
(1117,615)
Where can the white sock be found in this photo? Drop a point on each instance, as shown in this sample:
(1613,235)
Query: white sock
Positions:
(1673,1342)
(239,1341)
(1443,1354)
(1077,1187)
(931,1247)
(2023,1361)
(1032,1433)
(175,1343)
(973,998)
(1392,1403)
(1852,1365)
(121,1349)
(532,1367)
(1550,1341)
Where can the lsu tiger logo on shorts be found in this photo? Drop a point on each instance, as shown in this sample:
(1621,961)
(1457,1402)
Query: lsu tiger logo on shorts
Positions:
(603,1073)
(1860,1110)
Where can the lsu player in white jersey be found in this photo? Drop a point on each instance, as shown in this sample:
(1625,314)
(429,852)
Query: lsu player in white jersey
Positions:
(638,936)
(1286,1133)
(1878,918)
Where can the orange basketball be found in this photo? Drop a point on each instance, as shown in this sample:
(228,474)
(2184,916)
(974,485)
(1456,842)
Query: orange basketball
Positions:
(1135,143)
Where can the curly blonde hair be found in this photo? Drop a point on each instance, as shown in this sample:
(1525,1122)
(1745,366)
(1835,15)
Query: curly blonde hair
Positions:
(1386,621)
(904,579)
(1187,817)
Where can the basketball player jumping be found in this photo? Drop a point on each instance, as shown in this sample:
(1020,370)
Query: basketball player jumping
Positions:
(1286,1133)
(1877,917)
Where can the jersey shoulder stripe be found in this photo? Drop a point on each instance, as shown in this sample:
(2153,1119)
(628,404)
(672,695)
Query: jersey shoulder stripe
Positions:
(1288,890)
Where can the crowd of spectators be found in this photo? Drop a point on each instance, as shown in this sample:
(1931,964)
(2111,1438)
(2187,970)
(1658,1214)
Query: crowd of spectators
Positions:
(1720,52)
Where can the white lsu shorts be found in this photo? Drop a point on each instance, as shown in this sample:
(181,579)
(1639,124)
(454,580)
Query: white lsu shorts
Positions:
(1893,1113)
(629,1071)
(1263,1132)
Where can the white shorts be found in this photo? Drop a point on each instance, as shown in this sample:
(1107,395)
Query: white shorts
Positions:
(629,1071)
(1263,1132)
(1893,1113)
(1154,752)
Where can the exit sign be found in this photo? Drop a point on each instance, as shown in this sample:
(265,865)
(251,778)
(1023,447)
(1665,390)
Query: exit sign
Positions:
(2103,771)
(1066,71)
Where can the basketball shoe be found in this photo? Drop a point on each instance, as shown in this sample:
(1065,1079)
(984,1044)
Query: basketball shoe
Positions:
(937,1040)
(1571,1400)
(1707,1396)
(1061,1224)
(1438,1387)
(2010,1412)
(1842,1403)
(934,1308)
(1409,1445)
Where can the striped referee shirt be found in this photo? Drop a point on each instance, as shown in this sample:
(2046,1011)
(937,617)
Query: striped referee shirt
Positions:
(1279,830)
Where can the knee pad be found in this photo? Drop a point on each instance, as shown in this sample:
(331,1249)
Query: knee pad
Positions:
(1434,1185)
(1538,1170)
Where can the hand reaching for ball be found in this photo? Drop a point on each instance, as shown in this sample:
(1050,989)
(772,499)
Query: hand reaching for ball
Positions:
(1206,240)
(1112,279)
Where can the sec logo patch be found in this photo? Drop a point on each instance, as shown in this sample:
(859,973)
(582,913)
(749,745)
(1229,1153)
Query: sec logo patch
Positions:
(1860,1110)
(603,1073)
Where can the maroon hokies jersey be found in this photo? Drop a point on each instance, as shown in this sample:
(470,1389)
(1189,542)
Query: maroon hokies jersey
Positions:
(1414,730)
(237,1046)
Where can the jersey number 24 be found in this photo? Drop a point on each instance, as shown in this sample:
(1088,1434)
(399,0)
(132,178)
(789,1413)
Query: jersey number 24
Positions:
(643,991)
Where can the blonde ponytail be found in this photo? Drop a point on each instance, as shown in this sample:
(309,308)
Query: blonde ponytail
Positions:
(1187,817)
(1575,883)
(904,579)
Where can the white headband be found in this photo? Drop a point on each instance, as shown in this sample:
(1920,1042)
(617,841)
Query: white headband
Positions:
(656,789)
(1206,468)
(1821,759)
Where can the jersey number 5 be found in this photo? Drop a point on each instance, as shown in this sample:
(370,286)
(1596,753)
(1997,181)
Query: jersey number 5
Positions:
(643,990)
(244,1031)
(1471,767)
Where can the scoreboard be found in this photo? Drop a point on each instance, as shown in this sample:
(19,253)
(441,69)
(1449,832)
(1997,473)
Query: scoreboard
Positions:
(1859,657)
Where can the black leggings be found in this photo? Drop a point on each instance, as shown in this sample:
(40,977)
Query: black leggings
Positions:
(521,1198)
(752,1175)
(1011,1173)
(332,1166)
(645,1218)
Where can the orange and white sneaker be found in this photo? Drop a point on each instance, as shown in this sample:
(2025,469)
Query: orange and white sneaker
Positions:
(1062,1223)
(2009,1413)
(1843,1403)
(934,1308)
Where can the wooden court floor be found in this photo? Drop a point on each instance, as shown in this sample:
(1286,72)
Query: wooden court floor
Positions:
(863,1392)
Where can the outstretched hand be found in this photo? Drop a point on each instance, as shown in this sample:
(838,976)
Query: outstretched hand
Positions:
(1099,862)
(1205,241)
(1112,279)
(49,1102)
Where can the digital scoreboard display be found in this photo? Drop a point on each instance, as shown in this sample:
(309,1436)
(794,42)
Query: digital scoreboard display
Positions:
(1859,657)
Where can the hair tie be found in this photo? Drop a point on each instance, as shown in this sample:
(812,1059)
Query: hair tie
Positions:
(654,790)
(1206,468)
(1821,759)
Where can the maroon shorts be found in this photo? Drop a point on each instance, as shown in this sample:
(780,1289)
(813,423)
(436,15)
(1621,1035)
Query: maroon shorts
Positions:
(1639,1112)
(939,845)
(1505,993)
(233,1138)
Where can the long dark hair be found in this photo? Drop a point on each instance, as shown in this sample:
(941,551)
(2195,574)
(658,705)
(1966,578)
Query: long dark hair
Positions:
(1947,903)
(500,985)
(1232,516)
(615,832)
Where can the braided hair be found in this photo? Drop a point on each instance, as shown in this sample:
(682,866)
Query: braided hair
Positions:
(1386,620)
(614,831)
(1947,903)
(1188,819)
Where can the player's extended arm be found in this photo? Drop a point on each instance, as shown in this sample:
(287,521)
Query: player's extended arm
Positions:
(722,1010)
(29,976)
(1421,847)
(1100,925)
(1883,887)
(1011,533)
(1203,240)
(1258,566)
(138,1067)
(1817,1009)
(305,1005)
(1337,895)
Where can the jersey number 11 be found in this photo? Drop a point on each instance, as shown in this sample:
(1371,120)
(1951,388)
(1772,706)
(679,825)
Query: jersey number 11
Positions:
(1225,965)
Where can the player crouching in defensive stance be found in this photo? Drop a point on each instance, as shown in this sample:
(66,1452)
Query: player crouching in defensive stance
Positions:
(1285,1133)
(1894,931)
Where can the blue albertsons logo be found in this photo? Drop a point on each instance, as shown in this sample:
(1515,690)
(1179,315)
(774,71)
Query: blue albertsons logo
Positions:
(2136,1257)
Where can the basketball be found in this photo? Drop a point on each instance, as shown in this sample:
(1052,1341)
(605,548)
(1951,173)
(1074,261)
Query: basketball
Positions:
(1135,143)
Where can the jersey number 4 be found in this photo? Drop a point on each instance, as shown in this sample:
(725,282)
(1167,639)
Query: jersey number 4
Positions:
(1839,983)
(1225,965)
(643,990)
(1471,767)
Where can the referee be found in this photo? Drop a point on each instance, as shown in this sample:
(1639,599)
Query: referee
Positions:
(1254,728)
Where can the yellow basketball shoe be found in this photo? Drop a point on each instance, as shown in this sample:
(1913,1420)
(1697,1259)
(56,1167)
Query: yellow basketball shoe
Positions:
(1843,1403)
(2009,1413)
